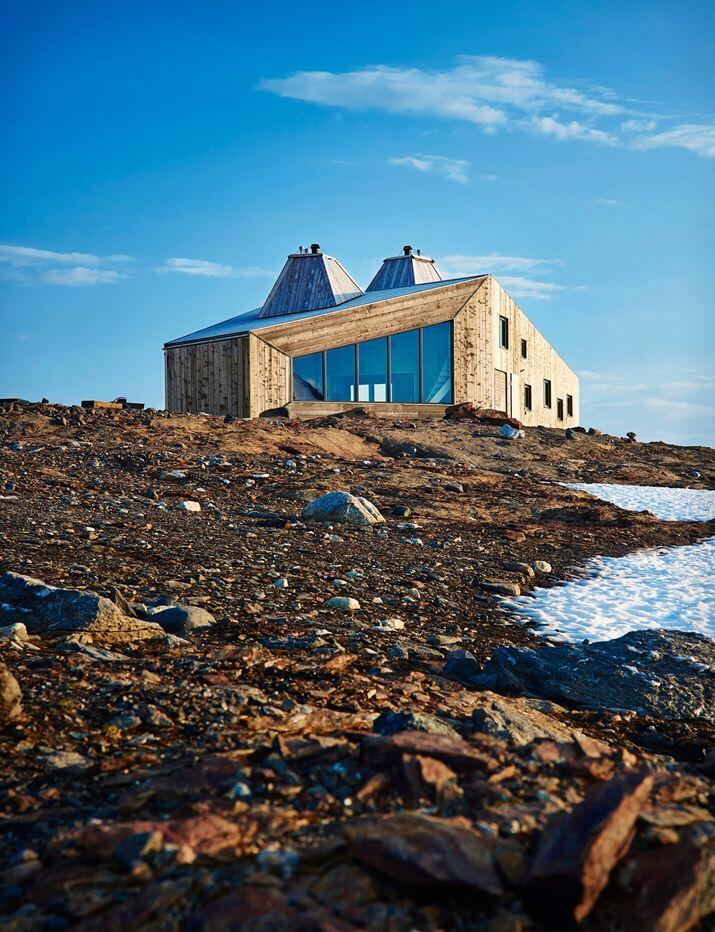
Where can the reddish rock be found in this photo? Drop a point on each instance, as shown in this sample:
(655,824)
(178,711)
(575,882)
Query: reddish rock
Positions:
(579,849)
(431,778)
(424,850)
(674,887)
(208,834)
(453,751)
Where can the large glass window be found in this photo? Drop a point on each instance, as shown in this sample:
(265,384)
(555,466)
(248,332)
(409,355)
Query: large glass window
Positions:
(308,378)
(437,364)
(340,373)
(372,370)
(405,366)
(413,366)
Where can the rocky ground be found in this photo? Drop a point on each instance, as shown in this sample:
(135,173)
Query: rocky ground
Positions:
(194,736)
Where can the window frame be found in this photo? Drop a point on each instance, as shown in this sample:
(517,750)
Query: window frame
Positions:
(528,397)
(548,394)
(569,406)
(356,368)
(524,348)
(559,409)
(503,332)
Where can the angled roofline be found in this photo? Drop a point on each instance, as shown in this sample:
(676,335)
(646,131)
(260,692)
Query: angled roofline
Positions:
(264,323)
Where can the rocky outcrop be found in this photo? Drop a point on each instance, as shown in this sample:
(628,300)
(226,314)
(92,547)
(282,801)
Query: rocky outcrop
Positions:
(663,674)
(343,508)
(10,696)
(46,609)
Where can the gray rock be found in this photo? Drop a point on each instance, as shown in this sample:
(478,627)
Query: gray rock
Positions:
(342,508)
(183,619)
(44,608)
(660,673)
(342,604)
(515,721)
(10,696)
(91,651)
(63,760)
(390,723)
(461,664)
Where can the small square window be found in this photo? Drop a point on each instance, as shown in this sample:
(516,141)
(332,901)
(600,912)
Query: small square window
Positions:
(524,349)
(547,393)
(504,332)
(569,405)
(560,408)
(527,397)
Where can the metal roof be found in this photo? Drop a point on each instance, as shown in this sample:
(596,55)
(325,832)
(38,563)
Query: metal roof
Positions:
(309,280)
(252,320)
(405,269)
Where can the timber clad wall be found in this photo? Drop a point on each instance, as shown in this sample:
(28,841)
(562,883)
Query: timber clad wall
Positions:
(249,374)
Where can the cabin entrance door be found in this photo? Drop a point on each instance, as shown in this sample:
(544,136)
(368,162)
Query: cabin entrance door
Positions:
(500,390)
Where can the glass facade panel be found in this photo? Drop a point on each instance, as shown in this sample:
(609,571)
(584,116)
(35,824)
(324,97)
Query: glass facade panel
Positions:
(308,378)
(340,373)
(372,370)
(437,364)
(405,366)
(334,374)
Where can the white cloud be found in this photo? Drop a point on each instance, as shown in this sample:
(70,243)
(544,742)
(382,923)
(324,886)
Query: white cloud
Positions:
(454,169)
(609,202)
(479,89)
(638,126)
(211,269)
(497,94)
(551,126)
(30,265)
(697,137)
(458,265)
(28,255)
(679,408)
(80,276)
(530,288)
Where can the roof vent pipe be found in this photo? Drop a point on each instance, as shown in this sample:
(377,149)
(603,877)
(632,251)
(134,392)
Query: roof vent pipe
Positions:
(315,248)
(407,250)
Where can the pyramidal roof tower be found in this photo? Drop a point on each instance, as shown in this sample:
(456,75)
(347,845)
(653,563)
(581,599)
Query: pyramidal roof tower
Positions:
(406,269)
(310,279)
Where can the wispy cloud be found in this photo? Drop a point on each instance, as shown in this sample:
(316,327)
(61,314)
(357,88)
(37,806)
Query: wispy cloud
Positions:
(530,288)
(453,169)
(28,264)
(29,255)
(609,202)
(79,276)
(456,265)
(498,94)
(697,137)
(211,269)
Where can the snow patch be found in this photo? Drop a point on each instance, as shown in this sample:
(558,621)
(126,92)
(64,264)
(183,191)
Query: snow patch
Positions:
(663,502)
(667,587)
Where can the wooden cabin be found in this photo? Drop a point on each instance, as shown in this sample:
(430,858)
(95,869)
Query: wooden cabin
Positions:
(410,344)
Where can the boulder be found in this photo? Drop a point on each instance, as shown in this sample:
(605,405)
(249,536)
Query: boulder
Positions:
(517,721)
(42,609)
(342,508)
(342,604)
(391,723)
(421,850)
(660,673)
(10,696)
(183,619)
(578,850)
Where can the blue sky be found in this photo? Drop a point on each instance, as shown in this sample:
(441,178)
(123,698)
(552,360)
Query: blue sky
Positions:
(160,160)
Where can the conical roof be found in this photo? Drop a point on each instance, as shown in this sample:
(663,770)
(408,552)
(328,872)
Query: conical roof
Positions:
(310,279)
(406,269)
